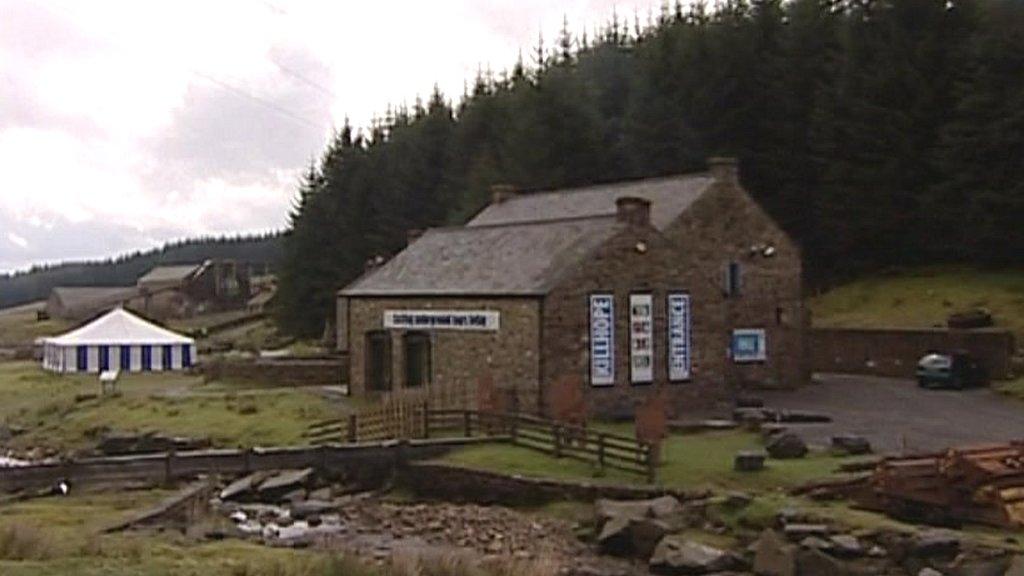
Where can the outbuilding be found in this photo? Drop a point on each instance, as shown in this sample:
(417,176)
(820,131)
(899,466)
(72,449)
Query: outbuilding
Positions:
(681,285)
(118,340)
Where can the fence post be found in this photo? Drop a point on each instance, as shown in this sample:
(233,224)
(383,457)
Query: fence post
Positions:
(353,422)
(169,467)
(652,462)
(556,432)
(600,450)
(426,420)
(513,427)
(467,423)
(247,460)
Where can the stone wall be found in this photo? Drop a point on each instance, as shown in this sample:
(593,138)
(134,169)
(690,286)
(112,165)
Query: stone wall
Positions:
(280,371)
(460,484)
(691,256)
(895,352)
(459,358)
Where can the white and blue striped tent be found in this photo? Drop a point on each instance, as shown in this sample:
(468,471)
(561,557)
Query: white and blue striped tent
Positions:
(118,340)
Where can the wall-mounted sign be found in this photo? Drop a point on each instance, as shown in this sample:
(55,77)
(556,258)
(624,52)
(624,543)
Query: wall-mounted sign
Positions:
(602,340)
(641,338)
(679,350)
(487,320)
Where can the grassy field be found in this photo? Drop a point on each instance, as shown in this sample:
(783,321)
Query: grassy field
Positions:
(923,298)
(18,325)
(62,535)
(54,413)
(690,461)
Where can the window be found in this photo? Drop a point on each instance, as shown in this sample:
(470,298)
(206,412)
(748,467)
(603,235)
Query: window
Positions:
(378,361)
(733,279)
(417,359)
(749,345)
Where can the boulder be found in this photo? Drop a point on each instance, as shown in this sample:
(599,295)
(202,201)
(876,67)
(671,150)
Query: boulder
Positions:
(935,543)
(929,572)
(242,488)
(664,507)
(773,556)
(786,446)
(284,482)
(804,417)
(851,444)
(812,561)
(307,508)
(799,531)
(1016,567)
(980,567)
(645,535)
(615,537)
(749,461)
(605,509)
(676,556)
(846,546)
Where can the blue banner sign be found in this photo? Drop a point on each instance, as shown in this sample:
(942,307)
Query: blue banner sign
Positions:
(679,350)
(602,340)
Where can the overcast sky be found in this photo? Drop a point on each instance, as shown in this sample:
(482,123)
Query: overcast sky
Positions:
(124,124)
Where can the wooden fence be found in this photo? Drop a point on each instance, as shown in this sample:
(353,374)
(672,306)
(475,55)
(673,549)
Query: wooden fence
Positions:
(557,439)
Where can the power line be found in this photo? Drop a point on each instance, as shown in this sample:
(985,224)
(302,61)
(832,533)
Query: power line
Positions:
(321,88)
(263,101)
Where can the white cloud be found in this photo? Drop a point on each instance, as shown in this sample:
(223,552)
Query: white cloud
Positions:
(163,119)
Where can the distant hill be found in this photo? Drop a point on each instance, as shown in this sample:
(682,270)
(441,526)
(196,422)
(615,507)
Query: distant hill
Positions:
(36,283)
(923,297)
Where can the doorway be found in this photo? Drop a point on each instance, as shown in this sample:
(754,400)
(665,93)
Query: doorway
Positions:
(378,361)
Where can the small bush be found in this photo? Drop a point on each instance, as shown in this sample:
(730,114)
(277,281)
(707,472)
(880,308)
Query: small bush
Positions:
(24,542)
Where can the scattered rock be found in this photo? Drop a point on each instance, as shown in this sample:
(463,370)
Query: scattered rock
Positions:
(816,543)
(929,572)
(605,509)
(749,461)
(1016,567)
(736,499)
(307,508)
(773,556)
(674,556)
(851,444)
(787,446)
(980,567)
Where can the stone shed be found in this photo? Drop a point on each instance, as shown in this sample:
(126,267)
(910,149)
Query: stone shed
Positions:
(680,284)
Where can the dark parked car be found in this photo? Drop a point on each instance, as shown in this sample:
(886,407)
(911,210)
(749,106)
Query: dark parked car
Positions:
(957,370)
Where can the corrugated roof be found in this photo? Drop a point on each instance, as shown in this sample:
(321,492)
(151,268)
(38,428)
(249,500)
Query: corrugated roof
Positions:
(669,198)
(519,259)
(93,296)
(162,274)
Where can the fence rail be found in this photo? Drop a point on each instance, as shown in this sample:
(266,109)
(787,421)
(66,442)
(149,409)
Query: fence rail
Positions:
(557,439)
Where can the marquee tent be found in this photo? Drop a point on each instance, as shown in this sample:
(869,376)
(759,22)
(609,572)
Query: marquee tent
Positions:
(118,340)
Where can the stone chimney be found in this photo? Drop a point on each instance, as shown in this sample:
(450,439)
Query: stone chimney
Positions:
(633,211)
(724,170)
(502,192)
(412,235)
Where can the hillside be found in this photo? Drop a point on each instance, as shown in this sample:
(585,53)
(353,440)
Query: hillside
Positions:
(923,297)
(35,284)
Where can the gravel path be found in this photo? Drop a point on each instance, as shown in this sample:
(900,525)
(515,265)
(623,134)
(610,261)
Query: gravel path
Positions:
(895,414)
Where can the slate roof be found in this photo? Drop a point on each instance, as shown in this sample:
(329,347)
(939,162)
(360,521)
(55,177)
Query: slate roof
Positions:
(516,259)
(79,297)
(163,274)
(669,198)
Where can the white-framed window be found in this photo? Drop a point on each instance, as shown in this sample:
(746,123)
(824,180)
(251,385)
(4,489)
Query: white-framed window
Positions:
(749,345)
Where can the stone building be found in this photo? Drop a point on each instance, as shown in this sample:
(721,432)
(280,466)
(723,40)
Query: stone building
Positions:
(681,284)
